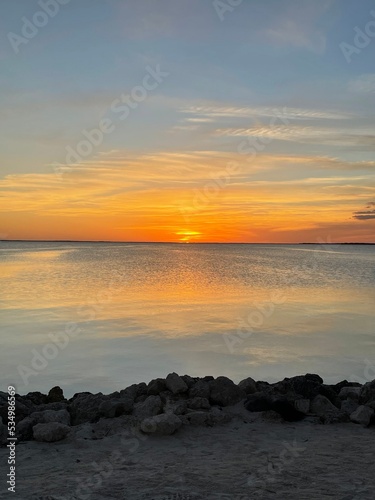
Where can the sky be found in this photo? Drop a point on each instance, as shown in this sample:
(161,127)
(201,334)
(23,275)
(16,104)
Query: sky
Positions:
(187,120)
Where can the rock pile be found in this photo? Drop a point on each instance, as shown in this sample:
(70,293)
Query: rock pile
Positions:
(164,405)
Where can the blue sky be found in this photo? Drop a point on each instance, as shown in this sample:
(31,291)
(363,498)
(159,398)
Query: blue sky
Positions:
(226,77)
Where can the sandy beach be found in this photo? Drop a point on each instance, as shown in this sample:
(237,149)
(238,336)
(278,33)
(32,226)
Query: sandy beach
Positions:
(162,441)
(244,459)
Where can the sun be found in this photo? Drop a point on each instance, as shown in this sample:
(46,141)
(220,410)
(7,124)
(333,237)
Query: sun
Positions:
(187,236)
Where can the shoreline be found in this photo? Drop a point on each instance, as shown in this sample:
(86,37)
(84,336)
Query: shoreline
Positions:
(195,438)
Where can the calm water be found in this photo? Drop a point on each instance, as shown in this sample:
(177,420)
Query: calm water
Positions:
(138,311)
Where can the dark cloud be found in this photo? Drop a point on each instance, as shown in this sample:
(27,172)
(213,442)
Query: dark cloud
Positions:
(367,214)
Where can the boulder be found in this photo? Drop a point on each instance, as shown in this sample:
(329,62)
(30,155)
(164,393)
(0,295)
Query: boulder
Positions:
(362,415)
(189,381)
(22,409)
(150,407)
(224,392)
(200,389)
(3,433)
(24,429)
(134,391)
(161,425)
(176,384)
(85,408)
(198,404)
(156,386)
(323,407)
(37,398)
(197,418)
(344,383)
(259,401)
(308,386)
(55,395)
(45,417)
(302,405)
(350,393)
(367,393)
(286,409)
(113,408)
(349,406)
(50,432)
(248,385)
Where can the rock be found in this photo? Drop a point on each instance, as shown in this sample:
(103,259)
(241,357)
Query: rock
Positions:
(189,381)
(198,404)
(175,384)
(308,386)
(134,391)
(349,406)
(3,433)
(259,401)
(113,408)
(50,432)
(224,392)
(367,393)
(302,405)
(286,409)
(161,425)
(248,385)
(85,408)
(45,417)
(37,398)
(24,429)
(156,386)
(350,392)
(52,406)
(200,389)
(345,383)
(150,407)
(323,407)
(362,415)
(55,395)
(22,409)
(178,408)
(197,417)
(331,394)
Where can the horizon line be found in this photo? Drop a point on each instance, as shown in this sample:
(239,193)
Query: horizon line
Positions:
(191,242)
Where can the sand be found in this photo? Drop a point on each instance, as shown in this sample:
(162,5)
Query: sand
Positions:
(247,458)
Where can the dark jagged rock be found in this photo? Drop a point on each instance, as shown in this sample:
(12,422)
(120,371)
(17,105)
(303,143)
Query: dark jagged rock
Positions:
(176,384)
(224,392)
(55,395)
(344,383)
(201,389)
(259,401)
(85,408)
(367,393)
(37,398)
(134,391)
(287,410)
(156,386)
(248,385)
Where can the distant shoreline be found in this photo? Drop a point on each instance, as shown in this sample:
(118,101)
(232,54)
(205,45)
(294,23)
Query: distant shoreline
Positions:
(182,243)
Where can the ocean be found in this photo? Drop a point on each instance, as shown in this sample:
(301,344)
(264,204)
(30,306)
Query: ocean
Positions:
(101,316)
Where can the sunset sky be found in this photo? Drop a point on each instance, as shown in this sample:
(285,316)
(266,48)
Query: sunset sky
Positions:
(183,120)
